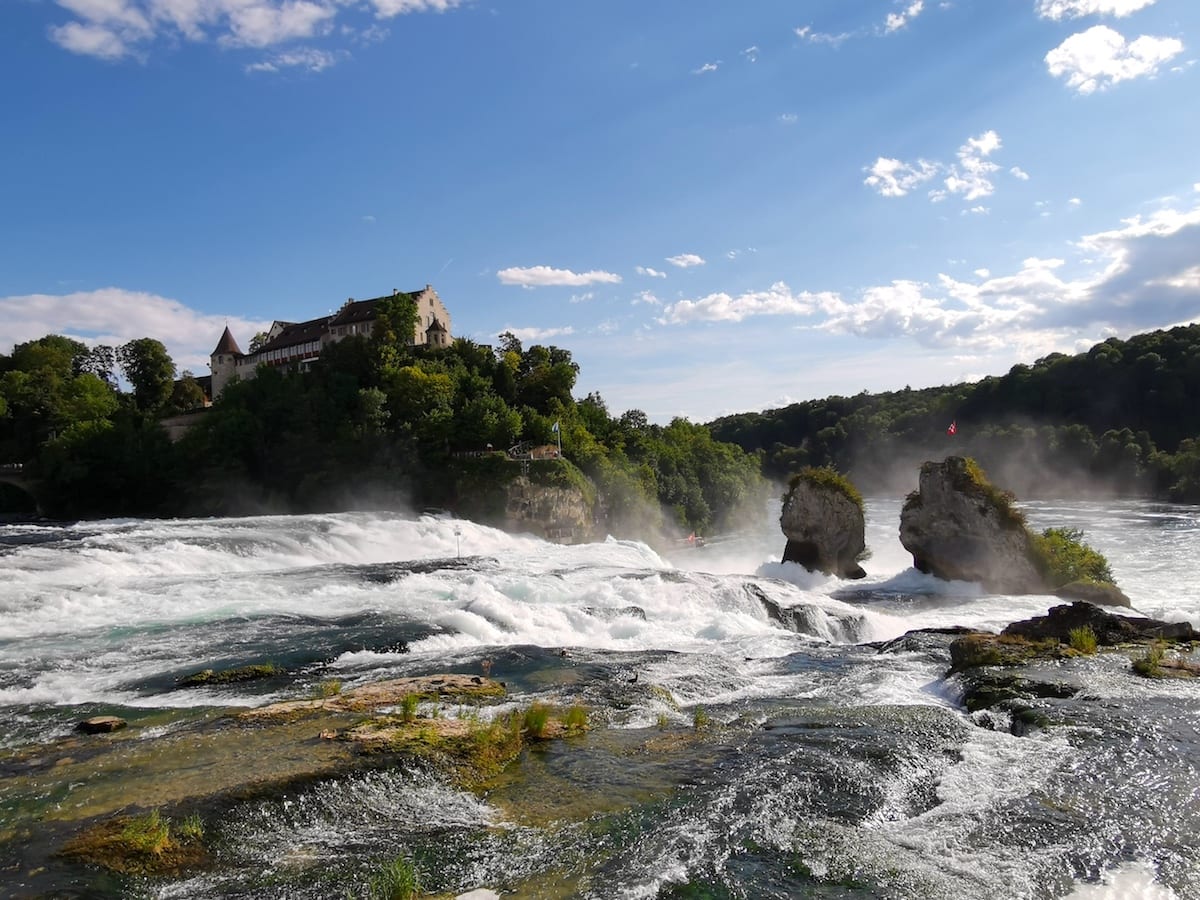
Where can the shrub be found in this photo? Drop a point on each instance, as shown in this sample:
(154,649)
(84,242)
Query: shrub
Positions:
(1082,639)
(1064,557)
(700,718)
(395,880)
(330,687)
(976,481)
(191,828)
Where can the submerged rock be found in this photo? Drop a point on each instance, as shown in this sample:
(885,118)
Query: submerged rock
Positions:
(823,521)
(101,725)
(1093,592)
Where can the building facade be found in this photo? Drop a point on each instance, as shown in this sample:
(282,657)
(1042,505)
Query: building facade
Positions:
(298,345)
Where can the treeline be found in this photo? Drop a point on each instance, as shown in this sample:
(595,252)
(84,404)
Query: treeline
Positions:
(375,421)
(1122,418)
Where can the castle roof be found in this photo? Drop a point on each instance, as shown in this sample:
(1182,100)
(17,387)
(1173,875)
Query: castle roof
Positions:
(296,333)
(227,344)
(436,325)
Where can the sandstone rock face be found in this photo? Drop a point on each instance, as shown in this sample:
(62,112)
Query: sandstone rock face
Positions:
(101,725)
(955,531)
(558,514)
(825,530)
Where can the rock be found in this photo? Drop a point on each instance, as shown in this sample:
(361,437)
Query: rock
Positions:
(560,514)
(101,725)
(959,527)
(1109,629)
(479,894)
(1094,592)
(822,519)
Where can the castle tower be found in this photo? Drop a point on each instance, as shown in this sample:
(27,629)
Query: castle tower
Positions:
(223,362)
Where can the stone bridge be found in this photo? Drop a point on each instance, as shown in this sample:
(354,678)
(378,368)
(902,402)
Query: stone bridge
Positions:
(14,474)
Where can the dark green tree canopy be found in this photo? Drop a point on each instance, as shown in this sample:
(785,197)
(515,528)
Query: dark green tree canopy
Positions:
(149,370)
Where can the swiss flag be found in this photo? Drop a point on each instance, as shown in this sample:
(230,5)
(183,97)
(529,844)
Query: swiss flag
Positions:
(953,428)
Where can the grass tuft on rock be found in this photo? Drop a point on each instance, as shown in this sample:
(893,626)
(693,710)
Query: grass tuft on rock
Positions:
(1082,639)
(396,879)
(826,477)
(232,676)
(975,481)
(148,844)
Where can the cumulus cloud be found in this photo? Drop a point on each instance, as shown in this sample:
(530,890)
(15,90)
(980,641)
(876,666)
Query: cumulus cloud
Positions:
(1073,9)
(751,54)
(893,178)
(646,297)
(115,315)
(1100,57)
(545,276)
(1018,173)
(896,21)
(1139,276)
(778,300)
(970,177)
(649,272)
(115,29)
(686,260)
(707,67)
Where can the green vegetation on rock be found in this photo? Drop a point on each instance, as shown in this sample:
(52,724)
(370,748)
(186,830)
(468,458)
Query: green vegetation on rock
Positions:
(825,477)
(397,879)
(147,844)
(253,672)
(1064,558)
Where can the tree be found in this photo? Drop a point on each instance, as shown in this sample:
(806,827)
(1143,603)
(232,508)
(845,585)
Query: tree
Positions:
(257,341)
(150,371)
(100,361)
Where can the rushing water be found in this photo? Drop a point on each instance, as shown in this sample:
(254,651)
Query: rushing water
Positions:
(833,770)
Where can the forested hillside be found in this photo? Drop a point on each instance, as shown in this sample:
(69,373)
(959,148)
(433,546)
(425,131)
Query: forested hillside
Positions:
(376,422)
(1122,418)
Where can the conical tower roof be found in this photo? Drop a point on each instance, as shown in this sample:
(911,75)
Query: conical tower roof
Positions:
(227,344)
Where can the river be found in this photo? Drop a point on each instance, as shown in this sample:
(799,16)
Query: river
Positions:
(829,769)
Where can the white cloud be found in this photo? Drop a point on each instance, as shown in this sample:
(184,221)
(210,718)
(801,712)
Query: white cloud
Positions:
(707,67)
(686,260)
(114,316)
(1100,57)
(649,272)
(1018,173)
(893,178)
(751,54)
(306,58)
(584,297)
(969,178)
(545,276)
(778,300)
(1140,276)
(529,335)
(789,118)
(818,37)
(1073,9)
(113,29)
(1075,201)
(370,220)
(896,21)
(646,297)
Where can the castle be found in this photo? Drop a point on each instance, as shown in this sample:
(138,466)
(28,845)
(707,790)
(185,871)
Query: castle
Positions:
(298,344)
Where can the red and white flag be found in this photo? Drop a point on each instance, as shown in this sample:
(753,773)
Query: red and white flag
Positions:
(953,428)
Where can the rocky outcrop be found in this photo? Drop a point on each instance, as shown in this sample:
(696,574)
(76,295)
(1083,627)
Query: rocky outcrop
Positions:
(1109,629)
(561,514)
(958,527)
(822,519)
(1090,591)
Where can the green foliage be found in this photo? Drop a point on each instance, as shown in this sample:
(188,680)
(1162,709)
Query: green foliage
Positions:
(396,879)
(1149,664)
(191,828)
(536,719)
(329,687)
(147,834)
(1082,639)
(255,672)
(826,477)
(700,719)
(576,718)
(1064,558)
(1002,501)
(149,368)
(408,708)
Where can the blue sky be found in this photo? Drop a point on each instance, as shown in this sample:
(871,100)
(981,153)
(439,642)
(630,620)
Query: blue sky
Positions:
(716,206)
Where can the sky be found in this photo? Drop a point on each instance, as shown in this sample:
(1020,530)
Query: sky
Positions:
(717,207)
